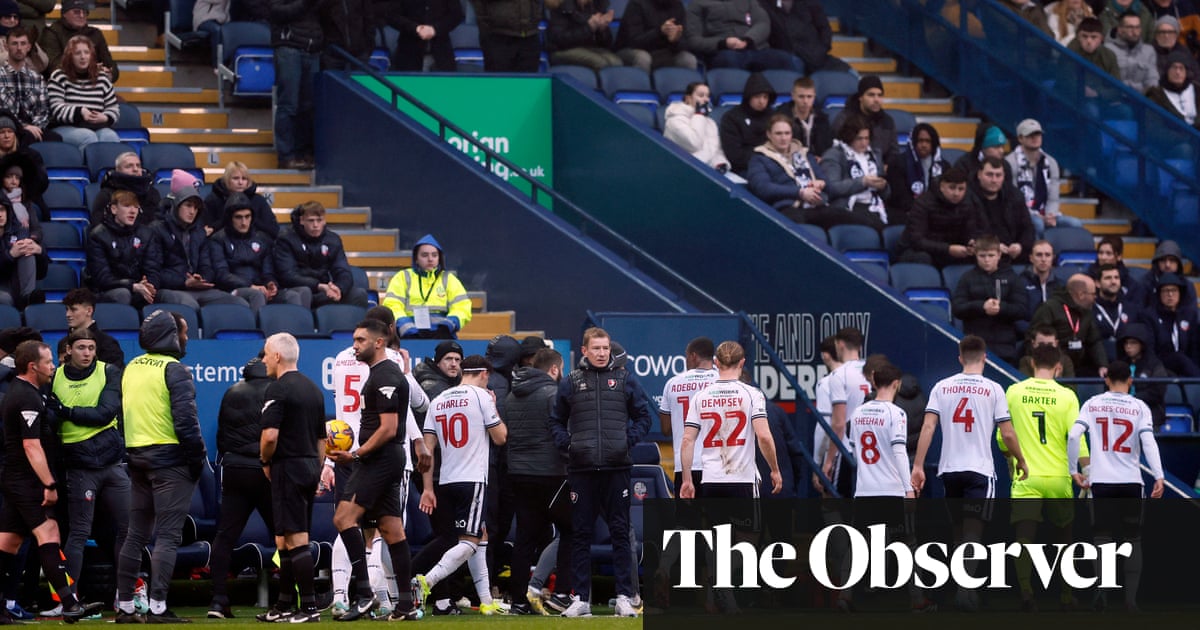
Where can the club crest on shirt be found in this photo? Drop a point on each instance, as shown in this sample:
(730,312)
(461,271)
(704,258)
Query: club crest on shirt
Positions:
(255,246)
(639,490)
(30,417)
(1184,325)
(574,497)
(612,382)
(324,249)
(387,391)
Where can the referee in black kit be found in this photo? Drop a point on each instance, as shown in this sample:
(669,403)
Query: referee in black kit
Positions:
(293,432)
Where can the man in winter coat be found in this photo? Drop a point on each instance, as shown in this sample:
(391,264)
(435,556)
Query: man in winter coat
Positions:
(801,28)
(942,225)
(181,269)
(1175,324)
(651,35)
(990,299)
(310,258)
(1136,59)
(118,254)
(1070,312)
(868,102)
(242,259)
(745,126)
(508,33)
(1007,218)
(74,21)
(734,34)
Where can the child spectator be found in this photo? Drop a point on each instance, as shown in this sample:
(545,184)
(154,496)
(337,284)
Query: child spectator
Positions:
(22,259)
(989,299)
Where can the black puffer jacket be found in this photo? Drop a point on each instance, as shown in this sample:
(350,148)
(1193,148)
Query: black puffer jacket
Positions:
(531,449)
(240,260)
(216,215)
(804,31)
(503,352)
(742,128)
(107,447)
(118,256)
(1000,330)
(238,427)
(599,414)
(160,335)
(405,16)
(296,24)
(1146,365)
(934,224)
(304,261)
(569,27)
(431,379)
(179,259)
(140,185)
(351,25)
(514,18)
(1007,217)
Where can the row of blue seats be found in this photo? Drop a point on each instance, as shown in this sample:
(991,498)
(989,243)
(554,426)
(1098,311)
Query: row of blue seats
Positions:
(66,162)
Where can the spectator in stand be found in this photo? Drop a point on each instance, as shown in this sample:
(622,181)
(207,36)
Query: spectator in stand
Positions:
(810,125)
(914,170)
(1037,176)
(1032,12)
(1063,18)
(1040,281)
(989,300)
(127,174)
(745,126)
(1166,41)
(943,225)
(1001,206)
(801,28)
(208,16)
(80,307)
(180,266)
(118,254)
(1176,326)
(237,180)
(1044,335)
(1089,44)
(83,105)
(1135,58)
(579,34)
(298,38)
(853,170)
(734,34)
(651,35)
(1113,309)
(1184,11)
(442,371)
(1176,90)
(242,260)
(310,258)
(1168,258)
(868,103)
(1113,11)
(34,11)
(688,123)
(350,25)
(424,28)
(1110,251)
(782,174)
(22,258)
(1136,346)
(22,88)
(989,142)
(55,39)
(24,182)
(428,301)
(509,34)
(1069,311)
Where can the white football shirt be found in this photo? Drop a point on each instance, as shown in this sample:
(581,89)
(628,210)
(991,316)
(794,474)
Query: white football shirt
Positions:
(848,385)
(874,429)
(349,375)
(968,407)
(1116,424)
(724,413)
(825,408)
(460,418)
(677,396)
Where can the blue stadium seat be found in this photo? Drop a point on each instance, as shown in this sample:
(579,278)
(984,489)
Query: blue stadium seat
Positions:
(60,278)
(583,74)
(905,121)
(63,243)
(891,240)
(129,127)
(1168,183)
(122,321)
(189,315)
(465,41)
(782,81)
(130,118)
(246,59)
(179,33)
(859,243)
(872,269)
(362,282)
(1179,419)
(719,112)
(814,232)
(46,317)
(289,318)
(1077,242)
(1125,129)
(834,83)
(65,202)
(951,155)
(9,317)
(727,85)
(161,157)
(920,283)
(641,114)
(99,157)
(338,317)
(623,84)
(1183,206)
(952,273)
(380,59)
(673,81)
(64,162)
(229,321)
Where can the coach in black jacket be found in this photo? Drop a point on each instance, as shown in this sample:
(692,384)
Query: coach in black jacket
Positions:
(599,414)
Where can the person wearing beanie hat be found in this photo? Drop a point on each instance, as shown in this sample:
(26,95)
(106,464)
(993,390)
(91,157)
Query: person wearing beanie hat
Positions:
(1167,39)
(74,21)
(989,142)
(442,371)
(429,302)
(179,264)
(1135,58)
(1176,90)
(867,101)
(1036,174)
(1175,323)
(1168,258)
(529,347)
(310,258)
(241,257)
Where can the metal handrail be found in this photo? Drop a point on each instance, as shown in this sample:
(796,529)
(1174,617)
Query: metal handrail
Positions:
(536,186)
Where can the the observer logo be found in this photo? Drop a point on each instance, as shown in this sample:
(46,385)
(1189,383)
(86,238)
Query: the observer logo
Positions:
(1080,564)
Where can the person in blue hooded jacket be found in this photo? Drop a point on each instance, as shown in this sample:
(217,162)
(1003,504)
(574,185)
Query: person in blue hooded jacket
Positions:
(429,302)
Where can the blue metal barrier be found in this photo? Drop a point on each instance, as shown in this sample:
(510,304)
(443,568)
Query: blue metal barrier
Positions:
(1128,147)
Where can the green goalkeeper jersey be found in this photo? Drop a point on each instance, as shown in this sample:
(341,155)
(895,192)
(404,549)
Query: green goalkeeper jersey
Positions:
(1042,414)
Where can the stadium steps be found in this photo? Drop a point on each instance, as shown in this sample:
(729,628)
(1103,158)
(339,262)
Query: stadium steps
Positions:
(871,65)
(255,157)
(1080,207)
(187,117)
(266,176)
(145,76)
(338,218)
(137,54)
(900,86)
(921,105)
(215,135)
(174,95)
(283,199)
(849,46)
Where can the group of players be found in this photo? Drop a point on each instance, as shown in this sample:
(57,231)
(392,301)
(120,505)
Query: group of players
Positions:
(863,450)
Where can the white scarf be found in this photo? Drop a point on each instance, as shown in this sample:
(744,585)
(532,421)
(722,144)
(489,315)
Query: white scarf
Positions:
(1185,102)
(862,164)
(19,208)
